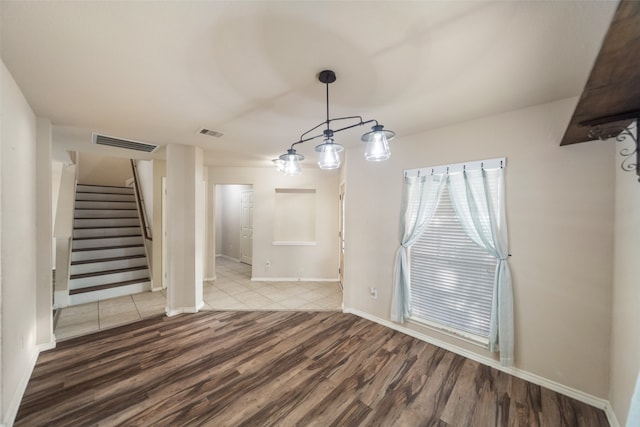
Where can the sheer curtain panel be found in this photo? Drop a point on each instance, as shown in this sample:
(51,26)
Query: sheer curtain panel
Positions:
(482,214)
(420,198)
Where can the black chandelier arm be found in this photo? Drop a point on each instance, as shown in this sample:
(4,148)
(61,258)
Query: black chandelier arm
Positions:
(361,122)
(308,139)
(356,124)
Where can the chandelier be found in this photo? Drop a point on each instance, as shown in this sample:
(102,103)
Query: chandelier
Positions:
(377,140)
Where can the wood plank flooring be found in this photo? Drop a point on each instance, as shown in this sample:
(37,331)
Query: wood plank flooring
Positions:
(278,369)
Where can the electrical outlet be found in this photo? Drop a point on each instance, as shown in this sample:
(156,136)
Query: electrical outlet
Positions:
(374,293)
(267,263)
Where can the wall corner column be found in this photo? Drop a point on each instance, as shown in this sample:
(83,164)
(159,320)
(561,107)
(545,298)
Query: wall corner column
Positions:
(185,225)
(44,236)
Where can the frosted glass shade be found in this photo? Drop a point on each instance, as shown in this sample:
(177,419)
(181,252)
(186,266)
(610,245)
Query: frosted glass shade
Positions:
(377,148)
(329,153)
(292,162)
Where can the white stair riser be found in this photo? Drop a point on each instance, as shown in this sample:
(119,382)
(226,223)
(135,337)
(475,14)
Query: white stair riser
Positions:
(82,188)
(86,297)
(105,213)
(80,204)
(105,232)
(106,253)
(107,265)
(107,222)
(105,197)
(104,279)
(107,242)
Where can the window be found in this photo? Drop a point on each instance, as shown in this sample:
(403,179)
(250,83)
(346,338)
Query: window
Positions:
(452,277)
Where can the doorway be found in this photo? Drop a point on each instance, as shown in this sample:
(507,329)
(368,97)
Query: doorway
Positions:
(246,227)
(341,237)
(234,222)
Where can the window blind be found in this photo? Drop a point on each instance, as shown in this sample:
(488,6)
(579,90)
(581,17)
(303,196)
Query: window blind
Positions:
(451,277)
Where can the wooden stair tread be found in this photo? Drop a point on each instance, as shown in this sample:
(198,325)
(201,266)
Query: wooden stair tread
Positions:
(102,218)
(117,258)
(105,272)
(106,209)
(107,286)
(106,226)
(107,247)
(107,237)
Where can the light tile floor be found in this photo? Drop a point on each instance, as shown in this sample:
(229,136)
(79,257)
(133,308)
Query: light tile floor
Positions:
(233,289)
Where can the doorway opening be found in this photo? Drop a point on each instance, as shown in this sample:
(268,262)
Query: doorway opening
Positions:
(234,222)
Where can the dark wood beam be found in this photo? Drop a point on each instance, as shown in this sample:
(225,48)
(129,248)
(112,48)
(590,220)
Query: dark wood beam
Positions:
(613,88)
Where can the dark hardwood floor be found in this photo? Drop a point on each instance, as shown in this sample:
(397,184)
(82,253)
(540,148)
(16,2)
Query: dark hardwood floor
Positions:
(280,369)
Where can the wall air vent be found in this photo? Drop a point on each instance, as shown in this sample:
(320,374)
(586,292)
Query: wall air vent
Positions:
(210,132)
(123,143)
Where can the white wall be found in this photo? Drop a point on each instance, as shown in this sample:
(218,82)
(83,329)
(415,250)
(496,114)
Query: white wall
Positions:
(625,339)
(44,233)
(560,219)
(98,169)
(289,262)
(159,172)
(56,175)
(18,248)
(145,179)
(218,228)
(228,221)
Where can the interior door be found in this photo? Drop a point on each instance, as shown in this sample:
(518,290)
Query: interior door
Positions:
(246,227)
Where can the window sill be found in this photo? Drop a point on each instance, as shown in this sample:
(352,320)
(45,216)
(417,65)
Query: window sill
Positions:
(451,332)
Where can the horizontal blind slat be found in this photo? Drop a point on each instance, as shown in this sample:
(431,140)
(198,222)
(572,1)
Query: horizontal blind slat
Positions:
(451,277)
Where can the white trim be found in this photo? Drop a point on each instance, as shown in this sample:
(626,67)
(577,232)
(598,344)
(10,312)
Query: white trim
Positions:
(482,342)
(292,243)
(295,279)
(61,299)
(47,346)
(458,167)
(14,405)
(184,310)
(611,415)
(209,279)
(525,375)
(229,258)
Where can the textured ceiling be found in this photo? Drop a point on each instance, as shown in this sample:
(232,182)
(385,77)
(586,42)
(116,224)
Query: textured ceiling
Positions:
(158,71)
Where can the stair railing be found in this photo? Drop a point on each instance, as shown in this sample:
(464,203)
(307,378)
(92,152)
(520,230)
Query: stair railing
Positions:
(140,202)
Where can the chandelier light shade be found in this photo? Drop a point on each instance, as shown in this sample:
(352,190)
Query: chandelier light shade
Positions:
(377,141)
(291,162)
(329,153)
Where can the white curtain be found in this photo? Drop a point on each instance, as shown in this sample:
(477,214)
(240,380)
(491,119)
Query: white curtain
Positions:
(483,218)
(420,198)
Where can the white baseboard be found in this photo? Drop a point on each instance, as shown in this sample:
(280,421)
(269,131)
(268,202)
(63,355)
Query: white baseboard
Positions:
(210,279)
(294,279)
(522,374)
(14,405)
(47,346)
(228,257)
(61,299)
(183,310)
(611,416)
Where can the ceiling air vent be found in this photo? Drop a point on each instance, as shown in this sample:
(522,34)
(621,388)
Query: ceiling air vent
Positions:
(123,143)
(210,132)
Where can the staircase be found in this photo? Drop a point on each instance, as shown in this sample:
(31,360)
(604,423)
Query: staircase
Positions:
(108,257)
